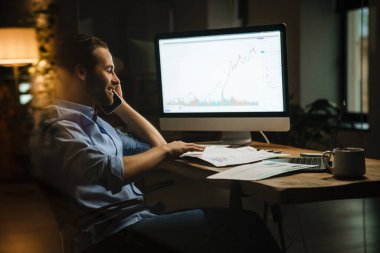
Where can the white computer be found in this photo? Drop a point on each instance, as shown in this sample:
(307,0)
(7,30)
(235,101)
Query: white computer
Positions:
(231,80)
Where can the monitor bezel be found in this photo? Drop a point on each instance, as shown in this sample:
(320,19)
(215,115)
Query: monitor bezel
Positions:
(211,32)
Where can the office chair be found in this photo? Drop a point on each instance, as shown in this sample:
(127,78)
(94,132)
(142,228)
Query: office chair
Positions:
(73,231)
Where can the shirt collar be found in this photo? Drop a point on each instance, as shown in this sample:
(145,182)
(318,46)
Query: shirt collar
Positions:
(86,110)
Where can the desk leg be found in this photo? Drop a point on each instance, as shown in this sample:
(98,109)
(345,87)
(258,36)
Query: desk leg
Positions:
(235,202)
(277,218)
(235,196)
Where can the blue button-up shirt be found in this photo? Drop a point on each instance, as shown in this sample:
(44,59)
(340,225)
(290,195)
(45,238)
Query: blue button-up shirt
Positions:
(83,158)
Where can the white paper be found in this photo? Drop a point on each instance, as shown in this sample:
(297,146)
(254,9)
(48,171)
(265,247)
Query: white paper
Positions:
(223,156)
(258,171)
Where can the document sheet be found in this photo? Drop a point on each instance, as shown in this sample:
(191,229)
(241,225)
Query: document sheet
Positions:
(224,156)
(258,171)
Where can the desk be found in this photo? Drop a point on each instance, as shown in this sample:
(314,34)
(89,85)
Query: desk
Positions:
(293,188)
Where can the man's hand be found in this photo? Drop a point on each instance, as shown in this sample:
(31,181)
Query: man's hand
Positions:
(177,148)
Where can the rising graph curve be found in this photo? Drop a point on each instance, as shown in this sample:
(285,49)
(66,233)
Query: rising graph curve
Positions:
(204,100)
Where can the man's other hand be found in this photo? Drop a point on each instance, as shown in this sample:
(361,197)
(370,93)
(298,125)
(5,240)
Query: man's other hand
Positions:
(177,148)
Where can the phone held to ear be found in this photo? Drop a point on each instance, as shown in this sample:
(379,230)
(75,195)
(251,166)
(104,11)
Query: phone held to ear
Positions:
(108,109)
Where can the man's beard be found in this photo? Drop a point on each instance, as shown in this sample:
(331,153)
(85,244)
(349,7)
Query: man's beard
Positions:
(98,93)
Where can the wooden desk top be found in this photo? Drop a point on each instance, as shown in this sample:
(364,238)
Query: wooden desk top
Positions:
(299,187)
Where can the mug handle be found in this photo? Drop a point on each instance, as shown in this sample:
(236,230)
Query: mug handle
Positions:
(326,162)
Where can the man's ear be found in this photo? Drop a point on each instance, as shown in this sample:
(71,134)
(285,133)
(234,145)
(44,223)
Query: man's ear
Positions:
(80,72)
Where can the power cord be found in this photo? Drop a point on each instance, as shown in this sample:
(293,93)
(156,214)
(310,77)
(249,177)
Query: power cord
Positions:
(265,137)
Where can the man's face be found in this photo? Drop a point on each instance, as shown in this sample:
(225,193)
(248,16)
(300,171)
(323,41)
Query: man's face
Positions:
(102,79)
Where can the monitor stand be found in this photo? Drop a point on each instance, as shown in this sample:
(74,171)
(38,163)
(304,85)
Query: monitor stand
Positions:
(235,138)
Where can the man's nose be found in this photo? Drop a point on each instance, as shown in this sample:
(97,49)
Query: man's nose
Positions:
(115,80)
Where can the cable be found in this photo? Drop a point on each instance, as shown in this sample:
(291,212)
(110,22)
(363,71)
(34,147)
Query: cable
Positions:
(265,137)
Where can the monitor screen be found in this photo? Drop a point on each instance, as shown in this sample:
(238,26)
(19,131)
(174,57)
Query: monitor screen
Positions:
(231,79)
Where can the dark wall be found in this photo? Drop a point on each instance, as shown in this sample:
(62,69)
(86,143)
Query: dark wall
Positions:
(271,12)
(119,20)
(14,13)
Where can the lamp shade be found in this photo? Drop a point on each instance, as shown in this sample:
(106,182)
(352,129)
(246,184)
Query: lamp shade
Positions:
(18,46)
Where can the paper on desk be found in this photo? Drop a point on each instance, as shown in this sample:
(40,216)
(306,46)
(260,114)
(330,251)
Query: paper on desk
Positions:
(223,156)
(258,171)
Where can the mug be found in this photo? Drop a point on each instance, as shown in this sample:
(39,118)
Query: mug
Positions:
(348,162)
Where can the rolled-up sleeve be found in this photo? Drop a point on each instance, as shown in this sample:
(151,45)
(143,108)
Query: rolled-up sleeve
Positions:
(81,160)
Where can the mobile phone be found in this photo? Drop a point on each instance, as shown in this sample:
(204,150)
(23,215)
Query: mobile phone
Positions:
(108,109)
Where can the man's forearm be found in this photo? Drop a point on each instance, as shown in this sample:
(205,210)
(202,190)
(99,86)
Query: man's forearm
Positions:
(138,125)
(136,164)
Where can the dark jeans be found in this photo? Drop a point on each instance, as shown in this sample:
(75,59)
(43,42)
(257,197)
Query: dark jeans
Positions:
(197,230)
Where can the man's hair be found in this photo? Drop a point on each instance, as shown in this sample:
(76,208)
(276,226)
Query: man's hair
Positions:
(79,50)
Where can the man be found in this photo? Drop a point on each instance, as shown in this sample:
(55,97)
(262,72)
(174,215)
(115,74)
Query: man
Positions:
(80,155)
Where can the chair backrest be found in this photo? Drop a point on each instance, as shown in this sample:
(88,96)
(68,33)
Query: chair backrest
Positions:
(73,230)
(59,204)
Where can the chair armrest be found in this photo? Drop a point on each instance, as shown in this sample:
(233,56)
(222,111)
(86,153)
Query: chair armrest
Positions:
(85,220)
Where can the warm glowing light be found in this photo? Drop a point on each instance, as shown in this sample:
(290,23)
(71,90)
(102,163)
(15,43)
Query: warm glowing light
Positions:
(18,46)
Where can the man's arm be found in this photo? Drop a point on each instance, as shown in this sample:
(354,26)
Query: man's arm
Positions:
(139,126)
(136,164)
(142,128)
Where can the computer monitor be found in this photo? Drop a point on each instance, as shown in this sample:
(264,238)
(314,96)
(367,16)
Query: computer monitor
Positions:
(232,80)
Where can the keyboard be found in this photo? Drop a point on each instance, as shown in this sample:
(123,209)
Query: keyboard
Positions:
(304,160)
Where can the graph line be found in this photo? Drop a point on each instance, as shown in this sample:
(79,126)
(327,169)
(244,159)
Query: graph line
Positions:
(204,100)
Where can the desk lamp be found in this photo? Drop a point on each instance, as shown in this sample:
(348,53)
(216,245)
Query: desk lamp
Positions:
(18,47)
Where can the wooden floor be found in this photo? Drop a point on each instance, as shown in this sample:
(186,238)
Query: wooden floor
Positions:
(333,226)
(28,226)
(27,223)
